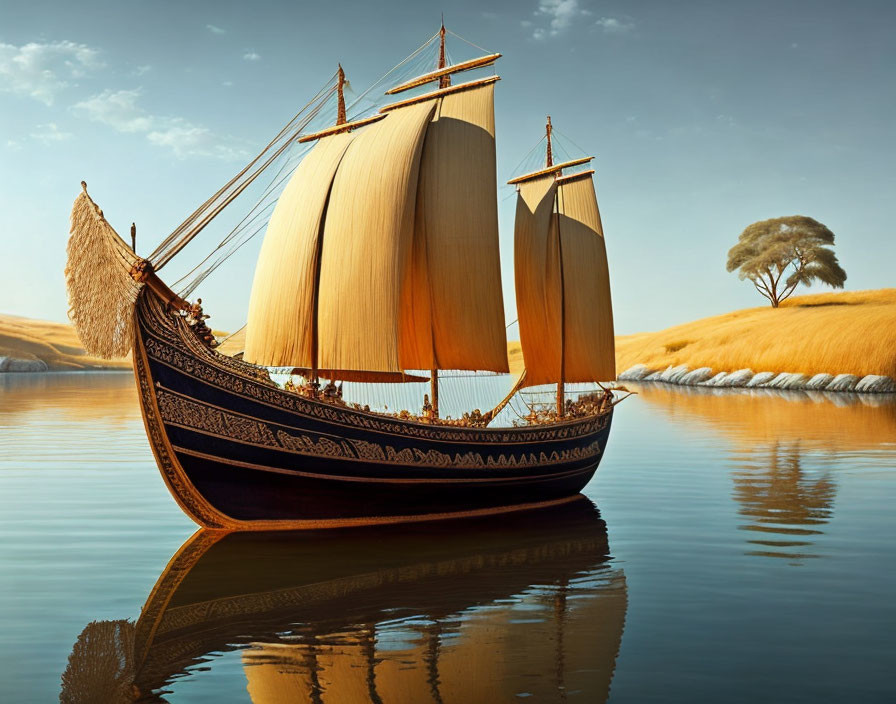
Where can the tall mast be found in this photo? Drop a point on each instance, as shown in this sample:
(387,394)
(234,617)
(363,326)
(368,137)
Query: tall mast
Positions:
(340,120)
(444,81)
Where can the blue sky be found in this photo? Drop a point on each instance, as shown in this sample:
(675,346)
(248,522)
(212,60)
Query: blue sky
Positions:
(704,117)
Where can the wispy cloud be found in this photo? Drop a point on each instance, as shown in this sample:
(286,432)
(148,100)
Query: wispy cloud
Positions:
(614,25)
(118,109)
(121,111)
(559,14)
(214,29)
(141,70)
(251,56)
(49,133)
(41,70)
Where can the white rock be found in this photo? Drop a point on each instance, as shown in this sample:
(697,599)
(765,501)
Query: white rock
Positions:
(876,384)
(761,379)
(739,378)
(819,381)
(787,380)
(674,375)
(696,376)
(636,373)
(13,364)
(716,380)
(843,382)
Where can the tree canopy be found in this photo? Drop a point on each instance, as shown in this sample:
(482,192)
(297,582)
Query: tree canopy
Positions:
(778,255)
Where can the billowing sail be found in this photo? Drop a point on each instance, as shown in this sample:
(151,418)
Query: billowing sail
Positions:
(367,244)
(562,282)
(281,307)
(454,298)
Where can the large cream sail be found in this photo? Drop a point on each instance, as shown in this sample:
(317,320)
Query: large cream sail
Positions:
(279,329)
(562,282)
(367,244)
(454,302)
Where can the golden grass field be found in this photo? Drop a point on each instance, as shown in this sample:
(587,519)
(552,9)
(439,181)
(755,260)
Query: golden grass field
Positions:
(852,332)
(57,344)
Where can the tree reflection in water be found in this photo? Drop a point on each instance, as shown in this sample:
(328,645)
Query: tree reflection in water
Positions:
(779,498)
(786,448)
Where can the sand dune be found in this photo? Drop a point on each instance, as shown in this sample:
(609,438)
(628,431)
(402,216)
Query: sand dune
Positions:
(55,344)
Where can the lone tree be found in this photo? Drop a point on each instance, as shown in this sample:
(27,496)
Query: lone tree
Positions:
(796,249)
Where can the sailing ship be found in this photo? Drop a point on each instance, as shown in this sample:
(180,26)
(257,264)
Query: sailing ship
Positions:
(374,615)
(380,264)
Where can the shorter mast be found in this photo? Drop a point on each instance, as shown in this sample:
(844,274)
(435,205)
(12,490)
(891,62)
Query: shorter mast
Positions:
(342,124)
(549,162)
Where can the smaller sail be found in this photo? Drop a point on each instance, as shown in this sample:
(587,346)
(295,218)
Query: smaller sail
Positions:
(562,282)
(589,346)
(537,265)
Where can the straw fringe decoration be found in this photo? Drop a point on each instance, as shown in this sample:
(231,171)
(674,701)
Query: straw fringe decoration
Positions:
(101,292)
(101,665)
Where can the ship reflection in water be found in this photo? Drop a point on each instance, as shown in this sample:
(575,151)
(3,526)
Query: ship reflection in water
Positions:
(462,611)
(784,446)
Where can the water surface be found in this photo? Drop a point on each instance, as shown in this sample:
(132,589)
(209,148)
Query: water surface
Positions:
(736,547)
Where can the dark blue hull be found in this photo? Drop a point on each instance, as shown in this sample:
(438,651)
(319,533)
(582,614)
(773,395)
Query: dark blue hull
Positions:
(237,452)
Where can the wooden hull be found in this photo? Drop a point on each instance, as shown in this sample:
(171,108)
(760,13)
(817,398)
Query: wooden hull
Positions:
(238,453)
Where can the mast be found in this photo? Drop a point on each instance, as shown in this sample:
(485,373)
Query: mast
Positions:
(562,278)
(444,82)
(549,158)
(549,162)
(340,95)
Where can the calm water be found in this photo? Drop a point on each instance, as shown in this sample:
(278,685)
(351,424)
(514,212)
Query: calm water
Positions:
(743,551)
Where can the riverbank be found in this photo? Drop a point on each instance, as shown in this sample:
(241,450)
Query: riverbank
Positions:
(827,342)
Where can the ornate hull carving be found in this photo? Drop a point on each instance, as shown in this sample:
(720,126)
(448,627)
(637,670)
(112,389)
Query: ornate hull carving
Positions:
(239,453)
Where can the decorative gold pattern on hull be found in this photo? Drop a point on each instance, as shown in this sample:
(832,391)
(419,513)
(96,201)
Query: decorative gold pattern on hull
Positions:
(238,377)
(225,425)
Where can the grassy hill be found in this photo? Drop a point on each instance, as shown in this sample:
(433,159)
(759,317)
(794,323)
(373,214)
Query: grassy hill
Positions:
(851,332)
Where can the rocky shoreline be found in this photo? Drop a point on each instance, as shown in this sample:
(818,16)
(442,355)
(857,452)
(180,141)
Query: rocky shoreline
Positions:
(747,378)
(16,365)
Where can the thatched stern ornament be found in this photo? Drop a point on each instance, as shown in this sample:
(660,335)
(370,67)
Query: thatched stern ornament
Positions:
(101,291)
